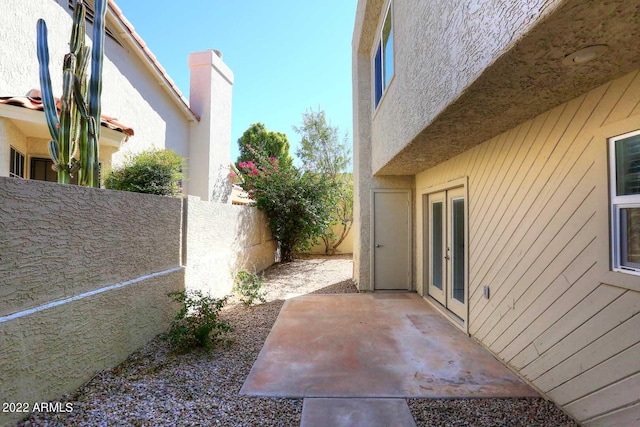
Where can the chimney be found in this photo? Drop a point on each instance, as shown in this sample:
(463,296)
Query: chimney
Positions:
(210,145)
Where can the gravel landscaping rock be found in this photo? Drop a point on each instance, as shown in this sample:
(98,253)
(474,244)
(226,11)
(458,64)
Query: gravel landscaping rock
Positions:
(488,412)
(156,387)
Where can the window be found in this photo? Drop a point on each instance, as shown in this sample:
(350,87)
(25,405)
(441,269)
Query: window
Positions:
(383,61)
(16,166)
(89,13)
(42,170)
(625,202)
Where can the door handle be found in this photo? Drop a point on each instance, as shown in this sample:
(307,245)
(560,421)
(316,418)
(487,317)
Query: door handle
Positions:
(378,246)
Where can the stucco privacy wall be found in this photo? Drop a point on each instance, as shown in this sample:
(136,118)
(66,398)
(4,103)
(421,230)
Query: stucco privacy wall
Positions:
(221,240)
(84,275)
(130,92)
(60,241)
(346,247)
(539,237)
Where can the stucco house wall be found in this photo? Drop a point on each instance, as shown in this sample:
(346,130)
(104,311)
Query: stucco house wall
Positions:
(484,100)
(136,91)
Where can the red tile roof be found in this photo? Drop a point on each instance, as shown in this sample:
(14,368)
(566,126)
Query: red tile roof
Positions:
(33,101)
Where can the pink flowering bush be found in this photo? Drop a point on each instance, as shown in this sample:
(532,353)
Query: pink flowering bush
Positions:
(297,204)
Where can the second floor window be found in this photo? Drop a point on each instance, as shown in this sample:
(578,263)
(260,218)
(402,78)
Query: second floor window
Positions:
(383,61)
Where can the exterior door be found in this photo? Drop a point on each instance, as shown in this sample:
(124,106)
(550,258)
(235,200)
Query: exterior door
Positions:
(446,240)
(391,228)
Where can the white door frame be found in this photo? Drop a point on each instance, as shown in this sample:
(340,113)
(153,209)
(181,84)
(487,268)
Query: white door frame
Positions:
(424,193)
(372,251)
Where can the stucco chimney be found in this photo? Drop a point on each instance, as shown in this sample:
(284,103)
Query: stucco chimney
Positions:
(210,148)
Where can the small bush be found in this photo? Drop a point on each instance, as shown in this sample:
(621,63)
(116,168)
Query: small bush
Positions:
(198,322)
(152,172)
(248,286)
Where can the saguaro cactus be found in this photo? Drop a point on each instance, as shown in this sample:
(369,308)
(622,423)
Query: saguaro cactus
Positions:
(76,130)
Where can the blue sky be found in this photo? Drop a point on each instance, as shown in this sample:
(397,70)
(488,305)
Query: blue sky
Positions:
(286,55)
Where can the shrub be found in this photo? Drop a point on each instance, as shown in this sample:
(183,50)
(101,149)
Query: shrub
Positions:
(248,286)
(298,204)
(152,172)
(198,322)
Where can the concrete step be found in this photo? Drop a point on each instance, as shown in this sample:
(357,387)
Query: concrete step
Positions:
(356,412)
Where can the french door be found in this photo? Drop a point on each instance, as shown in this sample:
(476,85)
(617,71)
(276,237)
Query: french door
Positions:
(446,240)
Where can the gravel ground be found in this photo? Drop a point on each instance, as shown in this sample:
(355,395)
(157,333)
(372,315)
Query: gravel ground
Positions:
(155,387)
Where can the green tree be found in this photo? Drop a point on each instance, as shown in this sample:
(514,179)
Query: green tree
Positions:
(321,148)
(268,143)
(324,152)
(297,203)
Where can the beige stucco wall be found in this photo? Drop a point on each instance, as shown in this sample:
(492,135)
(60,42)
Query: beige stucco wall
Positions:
(346,247)
(210,95)
(539,238)
(84,275)
(10,136)
(61,240)
(222,239)
(130,92)
(440,48)
(364,181)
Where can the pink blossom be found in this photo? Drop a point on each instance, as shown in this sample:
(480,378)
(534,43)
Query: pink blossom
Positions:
(275,169)
(254,172)
(231,175)
(251,165)
(243,164)
(272,160)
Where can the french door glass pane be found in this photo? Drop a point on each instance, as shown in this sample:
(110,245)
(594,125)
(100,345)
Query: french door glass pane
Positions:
(458,249)
(628,166)
(630,237)
(436,244)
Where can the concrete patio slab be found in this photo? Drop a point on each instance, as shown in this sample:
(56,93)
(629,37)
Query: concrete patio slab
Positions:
(382,345)
(356,413)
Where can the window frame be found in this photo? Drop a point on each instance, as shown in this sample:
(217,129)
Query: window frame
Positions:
(617,203)
(13,153)
(379,70)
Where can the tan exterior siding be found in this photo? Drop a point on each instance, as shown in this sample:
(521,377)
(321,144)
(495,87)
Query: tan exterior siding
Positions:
(539,238)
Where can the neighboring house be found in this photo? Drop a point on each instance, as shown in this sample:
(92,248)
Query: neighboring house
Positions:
(150,109)
(497,173)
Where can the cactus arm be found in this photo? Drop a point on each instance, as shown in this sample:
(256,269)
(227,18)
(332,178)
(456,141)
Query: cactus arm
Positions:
(48,100)
(82,111)
(53,152)
(97,57)
(78,30)
(95,90)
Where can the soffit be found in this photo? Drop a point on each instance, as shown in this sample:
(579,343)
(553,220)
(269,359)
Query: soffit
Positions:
(528,80)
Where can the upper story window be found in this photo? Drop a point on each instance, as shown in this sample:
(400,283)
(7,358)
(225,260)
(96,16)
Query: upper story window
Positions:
(16,165)
(383,61)
(625,201)
(89,10)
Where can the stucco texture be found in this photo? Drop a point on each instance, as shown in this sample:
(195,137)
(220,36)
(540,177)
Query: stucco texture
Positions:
(59,240)
(221,240)
(130,92)
(465,72)
(53,352)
